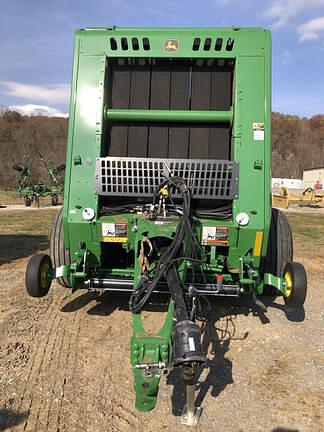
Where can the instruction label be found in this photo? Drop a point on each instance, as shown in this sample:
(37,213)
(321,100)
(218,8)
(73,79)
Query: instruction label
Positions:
(258,131)
(215,235)
(114,232)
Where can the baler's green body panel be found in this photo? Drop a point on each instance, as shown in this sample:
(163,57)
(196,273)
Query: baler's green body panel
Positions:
(88,126)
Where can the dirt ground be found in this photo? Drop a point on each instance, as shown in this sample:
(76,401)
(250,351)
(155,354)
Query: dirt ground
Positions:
(64,363)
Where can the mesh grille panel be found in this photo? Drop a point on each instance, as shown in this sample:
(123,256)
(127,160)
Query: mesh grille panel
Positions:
(208,179)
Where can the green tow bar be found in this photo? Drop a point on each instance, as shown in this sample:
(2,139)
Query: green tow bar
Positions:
(150,357)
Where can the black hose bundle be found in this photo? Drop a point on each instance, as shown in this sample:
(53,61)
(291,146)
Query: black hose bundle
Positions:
(184,246)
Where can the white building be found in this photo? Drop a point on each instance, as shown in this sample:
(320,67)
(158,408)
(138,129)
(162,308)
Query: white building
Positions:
(314,178)
(277,183)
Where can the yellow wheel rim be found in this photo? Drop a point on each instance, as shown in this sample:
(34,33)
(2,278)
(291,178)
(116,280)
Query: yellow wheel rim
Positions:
(44,273)
(289,284)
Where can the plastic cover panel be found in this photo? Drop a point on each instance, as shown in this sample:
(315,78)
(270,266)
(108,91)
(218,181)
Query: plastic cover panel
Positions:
(138,177)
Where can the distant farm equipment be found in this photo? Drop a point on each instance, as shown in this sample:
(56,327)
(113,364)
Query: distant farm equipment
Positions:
(307,197)
(33,192)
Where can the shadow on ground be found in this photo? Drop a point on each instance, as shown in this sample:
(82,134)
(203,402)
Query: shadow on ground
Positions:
(18,246)
(218,330)
(107,302)
(9,418)
(279,429)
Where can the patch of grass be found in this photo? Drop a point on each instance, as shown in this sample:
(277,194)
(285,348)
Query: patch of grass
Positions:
(9,197)
(12,198)
(308,227)
(27,221)
(24,232)
(308,233)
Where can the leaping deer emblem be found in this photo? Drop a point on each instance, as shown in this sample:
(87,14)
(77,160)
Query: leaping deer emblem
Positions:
(171,45)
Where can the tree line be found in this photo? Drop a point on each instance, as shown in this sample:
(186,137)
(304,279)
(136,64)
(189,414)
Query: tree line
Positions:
(297,143)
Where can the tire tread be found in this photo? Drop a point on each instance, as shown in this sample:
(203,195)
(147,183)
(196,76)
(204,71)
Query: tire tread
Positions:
(59,254)
(280,248)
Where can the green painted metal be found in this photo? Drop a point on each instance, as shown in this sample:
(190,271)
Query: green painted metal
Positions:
(146,349)
(61,271)
(175,116)
(249,50)
(275,281)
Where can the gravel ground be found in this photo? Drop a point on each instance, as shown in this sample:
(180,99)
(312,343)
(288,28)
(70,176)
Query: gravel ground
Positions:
(64,364)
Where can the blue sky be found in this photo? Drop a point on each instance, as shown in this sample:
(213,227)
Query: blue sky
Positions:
(36,44)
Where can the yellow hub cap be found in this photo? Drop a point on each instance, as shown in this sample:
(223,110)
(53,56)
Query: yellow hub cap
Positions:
(288,280)
(44,273)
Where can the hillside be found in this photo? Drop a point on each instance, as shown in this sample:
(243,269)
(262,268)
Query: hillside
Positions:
(297,143)
(19,135)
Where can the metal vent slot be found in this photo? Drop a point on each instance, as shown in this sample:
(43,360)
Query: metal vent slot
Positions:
(208,179)
(124,43)
(229,44)
(218,44)
(113,44)
(207,44)
(135,44)
(196,44)
(146,44)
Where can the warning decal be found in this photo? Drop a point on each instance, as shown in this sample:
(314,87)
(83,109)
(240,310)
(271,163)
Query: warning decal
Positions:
(215,235)
(114,232)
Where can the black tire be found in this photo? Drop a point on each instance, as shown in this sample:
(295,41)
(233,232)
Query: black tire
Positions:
(60,256)
(37,284)
(27,201)
(54,200)
(280,248)
(296,280)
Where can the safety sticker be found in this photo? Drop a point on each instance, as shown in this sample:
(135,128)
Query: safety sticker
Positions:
(258,131)
(108,230)
(114,232)
(215,235)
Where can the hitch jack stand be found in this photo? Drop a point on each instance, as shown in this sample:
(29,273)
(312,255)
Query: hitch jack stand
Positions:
(190,414)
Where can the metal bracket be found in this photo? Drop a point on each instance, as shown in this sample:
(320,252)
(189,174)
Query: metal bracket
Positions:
(79,268)
(275,281)
(62,271)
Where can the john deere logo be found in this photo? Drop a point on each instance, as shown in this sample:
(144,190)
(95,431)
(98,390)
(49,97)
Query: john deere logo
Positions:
(171,45)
